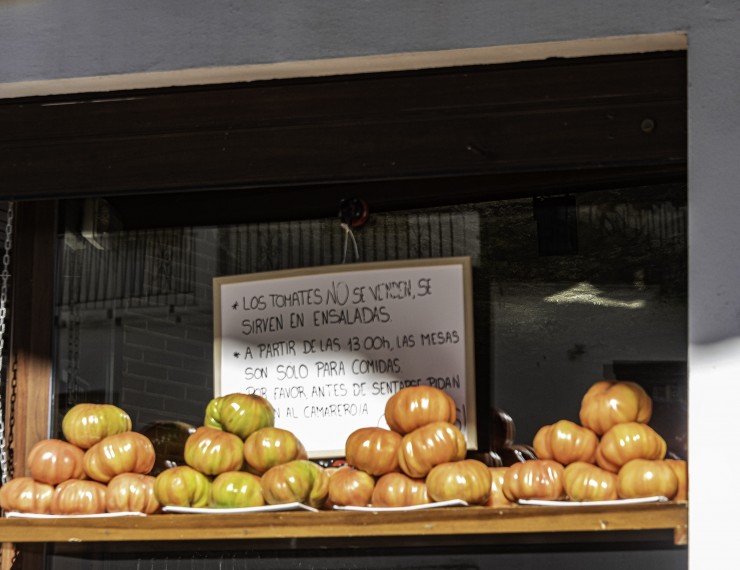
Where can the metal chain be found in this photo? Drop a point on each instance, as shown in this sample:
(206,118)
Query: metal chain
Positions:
(4,275)
(73,335)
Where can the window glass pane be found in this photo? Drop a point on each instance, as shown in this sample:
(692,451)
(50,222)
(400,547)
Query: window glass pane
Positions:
(568,290)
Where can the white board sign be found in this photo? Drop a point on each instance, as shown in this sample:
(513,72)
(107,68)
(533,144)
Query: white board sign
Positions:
(328,346)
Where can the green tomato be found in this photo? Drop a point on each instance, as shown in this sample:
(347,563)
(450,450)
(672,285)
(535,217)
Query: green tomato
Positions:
(236,489)
(271,446)
(212,451)
(86,424)
(240,414)
(298,481)
(182,486)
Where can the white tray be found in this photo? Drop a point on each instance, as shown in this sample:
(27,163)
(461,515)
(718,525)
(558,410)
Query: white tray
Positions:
(263,509)
(451,503)
(16,515)
(617,502)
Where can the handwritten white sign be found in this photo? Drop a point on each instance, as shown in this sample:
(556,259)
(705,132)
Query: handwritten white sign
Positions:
(328,346)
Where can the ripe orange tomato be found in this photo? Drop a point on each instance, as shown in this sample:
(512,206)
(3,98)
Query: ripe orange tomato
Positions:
(86,424)
(78,497)
(566,442)
(348,486)
(588,482)
(53,461)
(534,479)
(468,480)
(608,403)
(646,478)
(212,451)
(270,446)
(399,490)
(681,469)
(127,452)
(416,406)
(373,450)
(131,493)
(24,495)
(627,441)
(430,445)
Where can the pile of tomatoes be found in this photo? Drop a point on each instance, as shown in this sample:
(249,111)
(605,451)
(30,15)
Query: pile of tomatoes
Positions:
(101,466)
(238,458)
(613,453)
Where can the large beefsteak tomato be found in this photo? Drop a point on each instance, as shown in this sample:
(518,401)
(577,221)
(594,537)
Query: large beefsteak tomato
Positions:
(373,450)
(182,486)
(430,445)
(399,490)
(298,481)
(236,489)
(565,442)
(627,441)
(85,424)
(53,461)
(534,479)
(608,402)
(468,480)
(78,497)
(270,446)
(127,452)
(25,495)
(416,406)
(240,414)
(213,451)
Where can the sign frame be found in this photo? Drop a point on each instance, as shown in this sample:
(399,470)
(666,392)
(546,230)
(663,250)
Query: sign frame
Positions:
(464,262)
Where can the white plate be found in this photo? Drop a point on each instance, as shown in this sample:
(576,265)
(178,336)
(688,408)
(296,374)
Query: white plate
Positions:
(16,515)
(617,502)
(263,509)
(451,503)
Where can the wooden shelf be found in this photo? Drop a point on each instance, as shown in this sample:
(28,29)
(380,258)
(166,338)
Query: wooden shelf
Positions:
(346,524)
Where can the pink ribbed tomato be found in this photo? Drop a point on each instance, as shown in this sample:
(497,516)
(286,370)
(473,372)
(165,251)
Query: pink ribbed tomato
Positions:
(589,482)
(24,495)
(212,451)
(468,480)
(348,486)
(86,424)
(271,446)
(496,498)
(430,445)
(298,481)
(78,497)
(646,478)
(131,493)
(373,450)
(240,414)
(566,442)
(608,403)
(534,479)
(53,461)
(399,490)
(236,489)
(416,406)
(182,486)
(127,452)
(627,441)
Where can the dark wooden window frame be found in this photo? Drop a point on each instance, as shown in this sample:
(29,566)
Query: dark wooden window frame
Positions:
(291,149)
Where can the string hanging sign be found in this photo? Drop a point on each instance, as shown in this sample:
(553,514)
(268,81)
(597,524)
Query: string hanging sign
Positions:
(328,346)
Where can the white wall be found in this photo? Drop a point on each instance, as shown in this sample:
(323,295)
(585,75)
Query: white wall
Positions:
(49,39)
